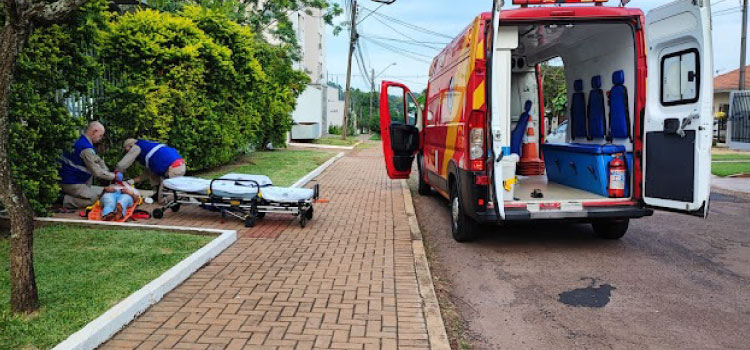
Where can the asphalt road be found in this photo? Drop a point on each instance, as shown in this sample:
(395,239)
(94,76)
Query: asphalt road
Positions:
(673,282)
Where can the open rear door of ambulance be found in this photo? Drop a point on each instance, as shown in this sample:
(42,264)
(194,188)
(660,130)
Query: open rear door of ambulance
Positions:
(678,116)
(400,126)
(499,92)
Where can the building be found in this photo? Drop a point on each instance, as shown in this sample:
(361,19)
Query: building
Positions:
(737,124)
(310,113)
(334,107)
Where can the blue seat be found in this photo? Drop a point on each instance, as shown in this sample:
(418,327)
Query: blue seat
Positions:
(596,111)
(516,137)
(619,116)
(578,112)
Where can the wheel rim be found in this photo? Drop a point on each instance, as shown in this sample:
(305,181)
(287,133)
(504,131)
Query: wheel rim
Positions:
(454,212)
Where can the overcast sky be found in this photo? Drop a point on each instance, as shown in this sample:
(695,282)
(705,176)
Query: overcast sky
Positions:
(446,18)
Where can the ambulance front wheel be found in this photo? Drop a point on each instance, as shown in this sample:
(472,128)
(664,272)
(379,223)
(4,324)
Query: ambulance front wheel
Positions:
(423,188)
(611,229)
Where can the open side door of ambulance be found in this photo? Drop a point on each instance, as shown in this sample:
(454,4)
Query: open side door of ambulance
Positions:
(678,118)
(400,128)
(499,91)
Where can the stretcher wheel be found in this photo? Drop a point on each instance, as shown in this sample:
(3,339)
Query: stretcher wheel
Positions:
(309,213)
(302,221)
(260,215)
(175,208)
(158,213)
(250,220)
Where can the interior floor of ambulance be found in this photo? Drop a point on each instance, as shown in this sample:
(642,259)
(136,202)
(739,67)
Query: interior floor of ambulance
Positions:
(598,62)
(550,191)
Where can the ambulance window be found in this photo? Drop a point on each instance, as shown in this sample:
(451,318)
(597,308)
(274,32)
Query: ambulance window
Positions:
(412,110)
(680,78)
(396,108)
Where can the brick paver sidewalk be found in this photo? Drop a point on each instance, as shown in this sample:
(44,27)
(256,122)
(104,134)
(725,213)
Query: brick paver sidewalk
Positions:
(345,281)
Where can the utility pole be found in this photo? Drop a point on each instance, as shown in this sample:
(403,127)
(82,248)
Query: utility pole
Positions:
(743,46)
(372,90)
(352,43)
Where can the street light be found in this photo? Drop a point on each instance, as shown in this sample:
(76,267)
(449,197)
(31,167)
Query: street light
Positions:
(372,83)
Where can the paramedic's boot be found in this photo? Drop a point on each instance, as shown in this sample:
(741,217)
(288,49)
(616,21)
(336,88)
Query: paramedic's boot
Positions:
(118,212)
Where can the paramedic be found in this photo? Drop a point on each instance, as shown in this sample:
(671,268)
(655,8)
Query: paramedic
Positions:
(160,160)
(79,165)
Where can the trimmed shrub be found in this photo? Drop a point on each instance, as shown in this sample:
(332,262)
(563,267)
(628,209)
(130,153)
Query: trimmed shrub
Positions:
(56,63)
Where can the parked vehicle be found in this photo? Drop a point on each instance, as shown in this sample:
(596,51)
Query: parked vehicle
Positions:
(559,135)
(633,145)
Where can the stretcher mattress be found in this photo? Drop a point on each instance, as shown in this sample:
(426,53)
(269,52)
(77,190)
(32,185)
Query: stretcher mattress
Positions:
(238,186)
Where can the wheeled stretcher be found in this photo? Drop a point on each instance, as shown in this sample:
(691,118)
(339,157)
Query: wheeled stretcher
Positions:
(247,197)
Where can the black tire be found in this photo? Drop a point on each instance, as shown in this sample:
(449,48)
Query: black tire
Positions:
(158,213)
(175,208)
(260,215)
(463,228)
(611,229)
(303,221)
(250,220)
(309,213)
(423,188)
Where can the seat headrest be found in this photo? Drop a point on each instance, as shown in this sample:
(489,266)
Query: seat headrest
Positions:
(527,106)
(578,85)
(618,78)
(596,82)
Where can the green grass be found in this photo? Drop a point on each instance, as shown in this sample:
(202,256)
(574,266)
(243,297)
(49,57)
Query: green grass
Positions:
(726,169)
(284,167)
(375,137)
(731,156)
(82,272)
(335,140)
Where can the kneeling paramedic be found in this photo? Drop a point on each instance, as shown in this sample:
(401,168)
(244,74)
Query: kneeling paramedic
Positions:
(80,165)
(161,162)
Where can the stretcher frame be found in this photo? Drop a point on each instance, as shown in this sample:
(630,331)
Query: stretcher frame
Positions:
(250,210)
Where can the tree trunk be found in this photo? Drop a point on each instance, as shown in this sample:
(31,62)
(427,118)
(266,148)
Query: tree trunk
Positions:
(23,297)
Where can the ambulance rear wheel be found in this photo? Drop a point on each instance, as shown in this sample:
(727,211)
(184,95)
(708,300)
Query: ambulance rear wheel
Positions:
(611,229)
(423,188)
(463,228)
(158,213)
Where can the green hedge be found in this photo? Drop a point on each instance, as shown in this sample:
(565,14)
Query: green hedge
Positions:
(194,79)
(54,58)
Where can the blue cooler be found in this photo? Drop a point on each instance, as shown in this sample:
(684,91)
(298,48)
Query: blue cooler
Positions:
(584,166)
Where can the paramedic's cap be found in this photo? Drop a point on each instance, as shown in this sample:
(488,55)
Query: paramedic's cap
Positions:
(129,143)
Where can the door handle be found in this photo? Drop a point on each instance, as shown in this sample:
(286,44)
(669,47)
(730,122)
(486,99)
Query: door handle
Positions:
(686,122)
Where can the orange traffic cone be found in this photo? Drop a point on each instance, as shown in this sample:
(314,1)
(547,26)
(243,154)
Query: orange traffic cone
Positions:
(531,164)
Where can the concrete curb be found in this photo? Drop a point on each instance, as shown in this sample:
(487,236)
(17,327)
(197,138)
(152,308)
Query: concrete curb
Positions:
(321,146)
(313,174)
(113,320)
(437,335)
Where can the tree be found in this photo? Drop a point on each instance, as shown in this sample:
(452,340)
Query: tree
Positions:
(20,17)
(555,90)
(272,16)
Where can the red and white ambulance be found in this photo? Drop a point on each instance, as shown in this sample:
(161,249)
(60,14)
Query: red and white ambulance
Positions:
(639,92)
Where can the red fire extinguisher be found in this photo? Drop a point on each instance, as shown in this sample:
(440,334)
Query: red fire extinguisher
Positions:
(617,175)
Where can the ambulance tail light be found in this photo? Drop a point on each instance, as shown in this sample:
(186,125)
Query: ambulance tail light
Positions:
(476,149)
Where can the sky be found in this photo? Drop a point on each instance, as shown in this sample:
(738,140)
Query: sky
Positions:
(444,19)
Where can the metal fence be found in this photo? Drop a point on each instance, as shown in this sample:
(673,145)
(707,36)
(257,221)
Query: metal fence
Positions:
(739,116)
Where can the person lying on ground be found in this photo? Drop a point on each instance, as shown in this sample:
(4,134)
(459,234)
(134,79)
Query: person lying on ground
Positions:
(116,199)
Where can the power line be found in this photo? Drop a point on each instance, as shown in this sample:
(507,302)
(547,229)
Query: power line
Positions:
(405,36)
(406,24)
(406,41)
(406,53)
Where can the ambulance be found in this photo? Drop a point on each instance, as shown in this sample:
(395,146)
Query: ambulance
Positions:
(639,100)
